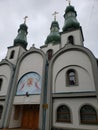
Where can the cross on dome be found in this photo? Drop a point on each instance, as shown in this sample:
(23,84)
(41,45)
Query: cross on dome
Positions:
(69,1)
(54,14)
(25,19)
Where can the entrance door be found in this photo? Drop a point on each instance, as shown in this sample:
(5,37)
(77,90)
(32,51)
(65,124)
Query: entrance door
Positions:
(30,119)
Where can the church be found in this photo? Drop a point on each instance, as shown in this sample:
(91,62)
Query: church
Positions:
(51,88)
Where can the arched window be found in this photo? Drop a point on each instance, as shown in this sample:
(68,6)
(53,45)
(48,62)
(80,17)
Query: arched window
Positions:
(1,81)
(71,77)
(71,40)
(63,114)
(88,115)
(1,110)
(49,54)
(12,54)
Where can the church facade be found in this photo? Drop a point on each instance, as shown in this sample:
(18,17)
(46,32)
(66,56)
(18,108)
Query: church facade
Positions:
(54,87)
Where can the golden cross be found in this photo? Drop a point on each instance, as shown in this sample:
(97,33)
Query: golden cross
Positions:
(69,1)
(25,19)
(54,14)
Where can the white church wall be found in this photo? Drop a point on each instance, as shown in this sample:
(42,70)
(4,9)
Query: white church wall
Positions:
(31,63)
(76,35)
(74,105)
(5,74)
(31,99)
(73,60)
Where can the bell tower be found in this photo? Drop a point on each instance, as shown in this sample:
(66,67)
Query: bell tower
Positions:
(72,31)
(20,44)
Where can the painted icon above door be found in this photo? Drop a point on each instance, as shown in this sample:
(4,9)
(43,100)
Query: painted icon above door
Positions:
(30,83)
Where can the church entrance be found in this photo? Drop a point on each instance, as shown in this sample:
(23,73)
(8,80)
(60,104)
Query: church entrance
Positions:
(30,118)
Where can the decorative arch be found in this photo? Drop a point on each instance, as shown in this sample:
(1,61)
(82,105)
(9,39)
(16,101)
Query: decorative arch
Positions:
(88,115)
(63,114)
(29,83)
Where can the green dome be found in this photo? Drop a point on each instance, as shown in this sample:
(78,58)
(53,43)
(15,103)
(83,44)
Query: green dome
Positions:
(54,36)
(21,38)
(23,27)
(70,19)
(71,23)
(70,8)
(54,24)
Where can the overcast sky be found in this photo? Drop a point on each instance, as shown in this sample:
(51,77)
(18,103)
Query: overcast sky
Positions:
(40,16)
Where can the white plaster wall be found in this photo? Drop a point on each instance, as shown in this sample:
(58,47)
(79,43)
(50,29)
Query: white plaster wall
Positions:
(55,48)
(5,74)
(74,104)
(15,123)
(79,61)
(77,37)
(32,99)
(31,63)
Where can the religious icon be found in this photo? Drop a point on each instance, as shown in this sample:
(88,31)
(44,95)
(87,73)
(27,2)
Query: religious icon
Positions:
(30,82)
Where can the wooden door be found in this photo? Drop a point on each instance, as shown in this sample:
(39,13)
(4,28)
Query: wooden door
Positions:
(30,119)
